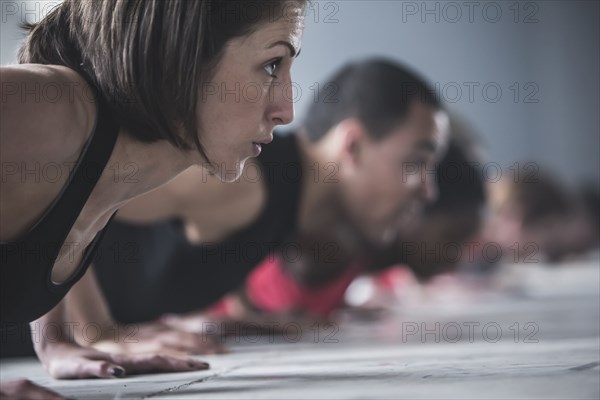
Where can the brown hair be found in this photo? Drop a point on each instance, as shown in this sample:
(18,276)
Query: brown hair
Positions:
(539,195)
(147,59)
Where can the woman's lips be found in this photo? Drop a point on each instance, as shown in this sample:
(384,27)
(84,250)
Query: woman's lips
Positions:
(266,140)
(257,146)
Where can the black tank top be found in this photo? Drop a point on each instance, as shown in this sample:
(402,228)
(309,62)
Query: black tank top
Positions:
(27,289)
(148,270)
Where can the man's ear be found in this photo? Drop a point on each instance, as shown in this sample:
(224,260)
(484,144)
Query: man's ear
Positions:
(353,138)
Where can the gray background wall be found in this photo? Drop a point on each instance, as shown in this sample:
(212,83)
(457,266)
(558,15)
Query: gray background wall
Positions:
(550,50)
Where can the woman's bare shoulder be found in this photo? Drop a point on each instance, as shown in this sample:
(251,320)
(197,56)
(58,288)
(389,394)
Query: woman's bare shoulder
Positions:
(47,113)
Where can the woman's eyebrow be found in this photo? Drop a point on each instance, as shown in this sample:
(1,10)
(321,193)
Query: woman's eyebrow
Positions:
(292,49)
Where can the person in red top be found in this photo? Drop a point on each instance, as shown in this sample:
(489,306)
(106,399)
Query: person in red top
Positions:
(454,217)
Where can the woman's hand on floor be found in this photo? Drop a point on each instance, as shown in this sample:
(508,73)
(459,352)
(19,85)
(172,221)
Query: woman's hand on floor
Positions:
(158,337)
(69,361)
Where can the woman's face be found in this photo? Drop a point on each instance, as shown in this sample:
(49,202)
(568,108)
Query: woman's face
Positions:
(250,94)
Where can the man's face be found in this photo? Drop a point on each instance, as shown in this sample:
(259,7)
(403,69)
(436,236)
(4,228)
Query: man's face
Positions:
(388,180)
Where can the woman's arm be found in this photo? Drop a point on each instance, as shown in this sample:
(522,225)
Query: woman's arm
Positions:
(87,307)
(80,322)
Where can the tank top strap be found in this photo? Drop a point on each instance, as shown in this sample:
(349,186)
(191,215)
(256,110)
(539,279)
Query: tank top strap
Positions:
(61,216)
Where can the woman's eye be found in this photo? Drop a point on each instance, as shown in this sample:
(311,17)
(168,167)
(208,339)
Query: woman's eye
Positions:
(271,67)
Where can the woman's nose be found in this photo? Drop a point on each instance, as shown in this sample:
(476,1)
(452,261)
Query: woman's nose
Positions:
(281,109)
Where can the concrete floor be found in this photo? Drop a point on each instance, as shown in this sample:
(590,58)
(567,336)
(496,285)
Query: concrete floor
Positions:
(537,339)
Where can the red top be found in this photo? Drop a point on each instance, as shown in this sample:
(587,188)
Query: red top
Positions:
(271,289)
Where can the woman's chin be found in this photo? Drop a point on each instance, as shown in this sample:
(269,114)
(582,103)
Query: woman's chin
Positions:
(231,172)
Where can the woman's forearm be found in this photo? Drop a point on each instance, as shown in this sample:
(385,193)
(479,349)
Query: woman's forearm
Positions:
(82,317)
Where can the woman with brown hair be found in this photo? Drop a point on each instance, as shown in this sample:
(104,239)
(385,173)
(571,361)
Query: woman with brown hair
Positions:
(119,97)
